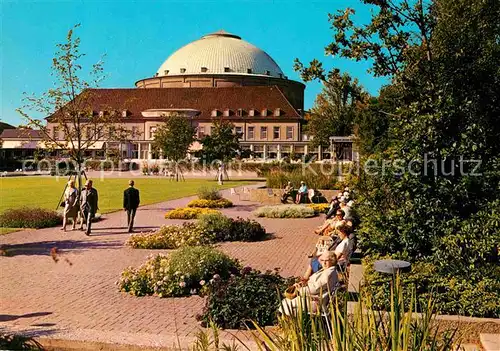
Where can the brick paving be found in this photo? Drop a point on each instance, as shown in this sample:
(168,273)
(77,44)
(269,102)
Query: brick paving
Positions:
(76,298)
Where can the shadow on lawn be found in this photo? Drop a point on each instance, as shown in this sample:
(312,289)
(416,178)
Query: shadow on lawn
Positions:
(47,248)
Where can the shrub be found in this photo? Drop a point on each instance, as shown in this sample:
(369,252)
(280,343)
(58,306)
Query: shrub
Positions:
(246,230)
(313,179)
(252,295)
(319,208)
(216,225)
(188,213)
(205,193)
(451,294)
(182,273)
(29,217)
(221,203)
(285,211)
(171,237)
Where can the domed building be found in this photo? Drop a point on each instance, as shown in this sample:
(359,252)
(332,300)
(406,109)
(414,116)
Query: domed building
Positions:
(219,76)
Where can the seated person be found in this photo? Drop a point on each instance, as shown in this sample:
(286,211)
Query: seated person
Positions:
(329,225)
(334,206)
(341,248)
(301,192)
(317,284)
(287,192)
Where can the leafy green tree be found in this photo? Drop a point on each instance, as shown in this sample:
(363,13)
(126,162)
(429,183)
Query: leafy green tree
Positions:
(70,123)
(335,109)
(173,140)
(431,193)
(222,145)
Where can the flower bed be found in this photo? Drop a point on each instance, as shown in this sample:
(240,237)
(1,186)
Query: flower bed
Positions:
(28,217)
(171,237)
(202,203)
(285,211)
(182,273)
(188,213)
(209,229)
(248,296)
(319,208)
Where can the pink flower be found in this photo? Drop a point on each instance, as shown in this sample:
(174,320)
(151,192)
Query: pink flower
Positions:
(202,282)
(182,284)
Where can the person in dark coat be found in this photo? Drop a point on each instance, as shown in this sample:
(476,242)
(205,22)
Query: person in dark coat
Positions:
(88,205)
(130,203)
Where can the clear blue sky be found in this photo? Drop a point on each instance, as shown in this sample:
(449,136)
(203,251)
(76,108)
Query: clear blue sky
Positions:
(137,36)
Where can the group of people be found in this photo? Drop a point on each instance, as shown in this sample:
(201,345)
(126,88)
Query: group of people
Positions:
(85,205)
(330,257)
(301,193)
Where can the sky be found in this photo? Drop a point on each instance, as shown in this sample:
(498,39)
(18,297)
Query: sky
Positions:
(135,38)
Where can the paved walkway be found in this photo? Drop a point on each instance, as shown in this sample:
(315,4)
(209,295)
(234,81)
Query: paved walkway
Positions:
(76,298)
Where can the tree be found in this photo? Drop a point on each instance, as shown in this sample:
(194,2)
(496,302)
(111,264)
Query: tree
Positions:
(335,109)
(431,194)
(68,106)
(222,145)
(173,140)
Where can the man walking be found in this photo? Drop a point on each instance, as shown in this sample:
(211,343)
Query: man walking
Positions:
(89,205)
(130,203)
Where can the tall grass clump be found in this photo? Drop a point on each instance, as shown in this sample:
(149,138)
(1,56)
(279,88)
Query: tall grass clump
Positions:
(398,329)
(205,193)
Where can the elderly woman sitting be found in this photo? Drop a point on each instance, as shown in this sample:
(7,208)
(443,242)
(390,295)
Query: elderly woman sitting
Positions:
(311,289)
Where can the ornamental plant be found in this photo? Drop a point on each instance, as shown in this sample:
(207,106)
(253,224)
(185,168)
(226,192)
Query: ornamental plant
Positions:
(29,217)
(319,208)
(184,272)
(248,296)
(285,211)
(202,203)
(205,193)
(172,237)
(188,213)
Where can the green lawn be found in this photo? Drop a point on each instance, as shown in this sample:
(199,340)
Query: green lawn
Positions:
(46,191)
(8,230)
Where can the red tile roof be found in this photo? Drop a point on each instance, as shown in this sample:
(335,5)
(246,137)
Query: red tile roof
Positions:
(205,100)
(20,134)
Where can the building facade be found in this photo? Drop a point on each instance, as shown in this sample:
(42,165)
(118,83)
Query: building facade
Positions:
(219,76)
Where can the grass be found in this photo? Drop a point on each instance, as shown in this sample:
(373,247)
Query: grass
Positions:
(45,191)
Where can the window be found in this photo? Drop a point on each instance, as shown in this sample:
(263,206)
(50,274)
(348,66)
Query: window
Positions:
(135,132)
(249,71)
(89,133)
(268,73)
(277,112)
(289,132)
(165,72)
(124,113)
(152,131)
(264,112)
(212,130)
(101,114)
(112,131)
(156,74)
(281,75)
(204,69)
(239,113)
(227,69)
(201,132)
(276,132)
(263,132)
(251,132)
(54,133)
(251,113)
(215,113)
(183,70)
(227,112)
(239,132)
